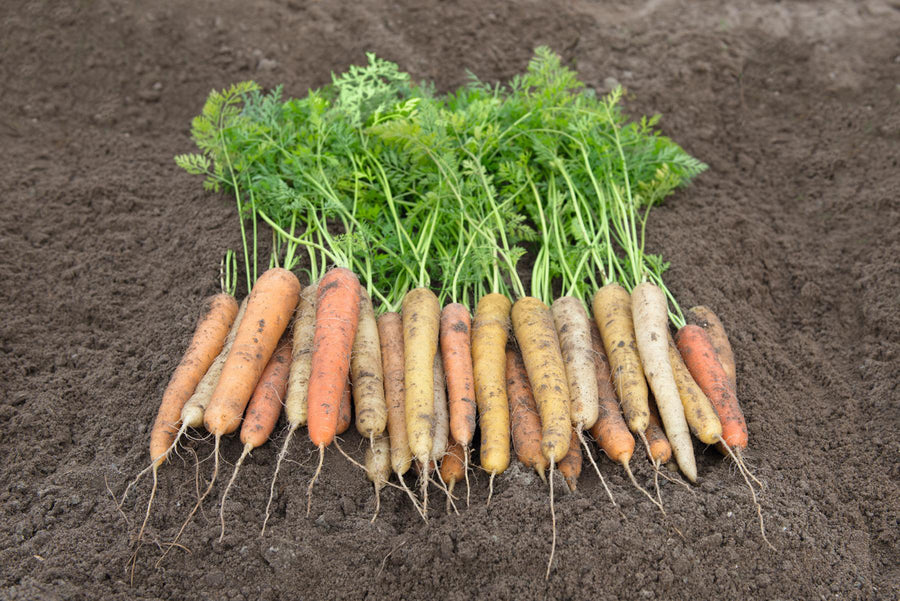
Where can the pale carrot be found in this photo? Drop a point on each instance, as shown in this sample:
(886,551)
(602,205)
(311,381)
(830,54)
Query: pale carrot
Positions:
(421,326)
(345,413)
(489,334)
(366,374)
(650,312)
(378,467)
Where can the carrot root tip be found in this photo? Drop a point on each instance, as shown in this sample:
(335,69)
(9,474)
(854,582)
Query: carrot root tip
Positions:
(312,482)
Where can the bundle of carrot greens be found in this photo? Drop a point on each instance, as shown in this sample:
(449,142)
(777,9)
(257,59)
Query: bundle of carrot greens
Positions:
(411,213)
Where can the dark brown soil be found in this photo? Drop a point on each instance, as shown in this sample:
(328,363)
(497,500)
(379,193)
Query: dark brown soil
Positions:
(792,236)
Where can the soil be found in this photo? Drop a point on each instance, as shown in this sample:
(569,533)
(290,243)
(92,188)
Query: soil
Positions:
(792,237)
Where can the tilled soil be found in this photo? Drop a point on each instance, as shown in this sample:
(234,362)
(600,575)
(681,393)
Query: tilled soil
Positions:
(792,236)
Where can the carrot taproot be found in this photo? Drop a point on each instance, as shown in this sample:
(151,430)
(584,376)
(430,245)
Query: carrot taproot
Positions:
(366,374)
(490,331)
(704,317)
(539,343)
(421,319)
(337,318)
(650,313)
(421,313)
(262,414)
(701,359)
(573,327)
(612,313)
(345,412)
(523,415)
(272,302)
(378,467)
(295,398)
(456,352)
(570,466)
(217,318)
(390,336)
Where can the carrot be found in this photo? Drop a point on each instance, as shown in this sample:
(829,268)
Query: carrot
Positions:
(452,469)
(456,351)
(212,333)
(337,318)
(489,335)
(421,325)
(523,415)
(699,412)
(269,309)
(539,344)
(570,466)
(366,374)
(610,430)
(262,413)
(345,413)
(701,359)
(659,449)
(648,305)
(390,335)
(378,467)
(574,328)
(704,317)
(536,334)
(295,400)
(612,312)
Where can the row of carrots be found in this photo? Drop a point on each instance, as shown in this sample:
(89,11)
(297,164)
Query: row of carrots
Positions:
(532,377)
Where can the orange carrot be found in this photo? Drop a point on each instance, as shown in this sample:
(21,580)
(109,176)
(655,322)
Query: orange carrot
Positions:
(337,317)
(706,319)
(523,415)
(456,351)
(345,415)
(660,449)
(611,432)
(262,413)
(570,466)
(700,357)
(212,328)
